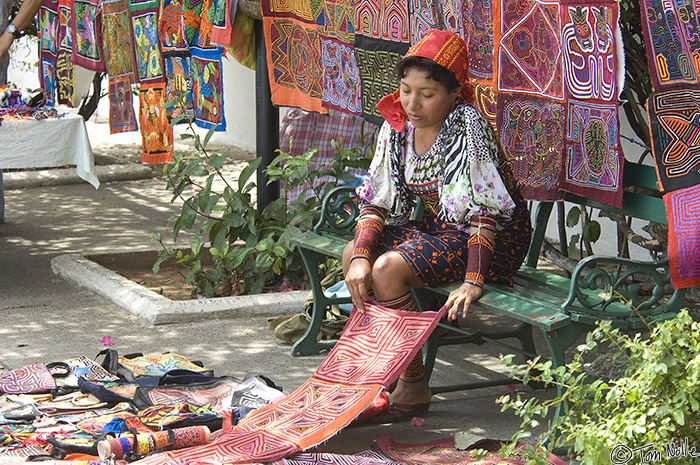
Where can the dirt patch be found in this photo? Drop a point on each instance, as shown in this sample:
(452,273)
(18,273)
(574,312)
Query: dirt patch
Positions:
(138,267)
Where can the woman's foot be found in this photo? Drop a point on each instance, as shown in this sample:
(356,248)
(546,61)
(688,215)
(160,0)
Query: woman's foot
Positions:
(408,400)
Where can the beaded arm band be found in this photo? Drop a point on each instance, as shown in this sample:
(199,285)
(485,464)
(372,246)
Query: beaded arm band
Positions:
(368,231)
(481,245)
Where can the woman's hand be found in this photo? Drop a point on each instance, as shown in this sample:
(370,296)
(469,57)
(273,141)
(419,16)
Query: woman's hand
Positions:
(462,297)
(358,279)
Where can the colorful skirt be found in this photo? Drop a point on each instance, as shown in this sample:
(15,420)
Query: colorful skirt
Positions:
(436,251)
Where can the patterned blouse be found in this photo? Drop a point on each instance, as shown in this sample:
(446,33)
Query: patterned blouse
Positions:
(462,163)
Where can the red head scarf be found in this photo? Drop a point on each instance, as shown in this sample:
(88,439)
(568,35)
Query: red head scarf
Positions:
(444,48)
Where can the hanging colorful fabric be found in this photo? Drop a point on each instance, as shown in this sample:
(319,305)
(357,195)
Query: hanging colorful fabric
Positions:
(528,62)
(222,24)
(531,130)
(294,63)
(683,215)
(86,30)
(341,76)
(593,155)
(375,348)
(171,29)
(122,117)
(65,74)
(48,47)
(144,24)
(674,123)
(178,72)
(207,88)
(118,38)
(670,33)
(29,379)
(156,131)
(242,47)
(478,25)
(377,60)
(382,19)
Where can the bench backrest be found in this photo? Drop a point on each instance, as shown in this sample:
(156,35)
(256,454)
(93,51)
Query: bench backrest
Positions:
(640,199)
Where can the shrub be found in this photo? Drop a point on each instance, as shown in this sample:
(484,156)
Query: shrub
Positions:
(250,249)
(647,415)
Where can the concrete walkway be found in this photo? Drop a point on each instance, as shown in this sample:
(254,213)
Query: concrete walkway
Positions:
(46,318)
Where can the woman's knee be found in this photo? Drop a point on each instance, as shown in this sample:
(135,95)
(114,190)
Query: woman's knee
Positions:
(391,269)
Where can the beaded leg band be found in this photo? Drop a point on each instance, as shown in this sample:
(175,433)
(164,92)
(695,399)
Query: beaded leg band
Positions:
(415,372)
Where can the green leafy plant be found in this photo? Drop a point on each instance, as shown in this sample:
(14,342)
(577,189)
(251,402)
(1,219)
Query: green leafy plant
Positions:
(650,414)
(590,230)
(250,250)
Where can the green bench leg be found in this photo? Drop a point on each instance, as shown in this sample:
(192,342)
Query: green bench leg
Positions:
(558,342)
(308,345)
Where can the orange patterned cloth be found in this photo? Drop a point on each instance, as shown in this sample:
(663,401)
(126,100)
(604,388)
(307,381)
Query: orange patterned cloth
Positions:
(444,48)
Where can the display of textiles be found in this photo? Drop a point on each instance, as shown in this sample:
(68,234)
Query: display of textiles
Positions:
(301,131)
(478,32)
(86,30)
(156,131)
(208,88)
(674,123)
(347,381)
(27,380)
(593,156)
(383,19)
(671,36)
(118,38)
(528,51)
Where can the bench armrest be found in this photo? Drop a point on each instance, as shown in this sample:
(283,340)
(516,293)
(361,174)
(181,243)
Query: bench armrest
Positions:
(339,212)
(629,292)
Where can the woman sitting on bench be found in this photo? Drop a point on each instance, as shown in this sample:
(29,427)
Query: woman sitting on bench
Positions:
(436,146)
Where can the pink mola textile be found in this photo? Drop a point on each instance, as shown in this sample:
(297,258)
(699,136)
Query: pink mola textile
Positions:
(683,214)
(374,349)
(27,380)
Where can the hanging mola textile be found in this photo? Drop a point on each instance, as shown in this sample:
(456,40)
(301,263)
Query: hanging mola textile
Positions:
(86,35)
(118,39)
(375,348)
(48,47)
(558,70)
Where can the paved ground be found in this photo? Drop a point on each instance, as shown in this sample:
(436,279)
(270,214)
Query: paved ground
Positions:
(45,318)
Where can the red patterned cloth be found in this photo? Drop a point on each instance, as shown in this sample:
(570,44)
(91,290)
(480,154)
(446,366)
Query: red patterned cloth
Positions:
(683,214)
(375,348)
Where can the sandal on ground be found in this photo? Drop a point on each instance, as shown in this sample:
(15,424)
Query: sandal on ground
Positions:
(398,413)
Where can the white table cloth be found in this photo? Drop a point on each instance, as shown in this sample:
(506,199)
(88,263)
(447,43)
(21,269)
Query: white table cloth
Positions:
(46,143)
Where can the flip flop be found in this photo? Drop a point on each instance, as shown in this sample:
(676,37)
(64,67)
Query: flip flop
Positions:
(397,413)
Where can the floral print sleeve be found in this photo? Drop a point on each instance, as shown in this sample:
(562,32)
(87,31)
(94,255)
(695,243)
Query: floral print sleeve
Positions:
(472,184)
(382,186)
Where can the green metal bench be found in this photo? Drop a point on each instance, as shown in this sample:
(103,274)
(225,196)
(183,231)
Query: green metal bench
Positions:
(628,293)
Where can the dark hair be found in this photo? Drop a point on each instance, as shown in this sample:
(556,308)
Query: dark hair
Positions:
(435,71)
